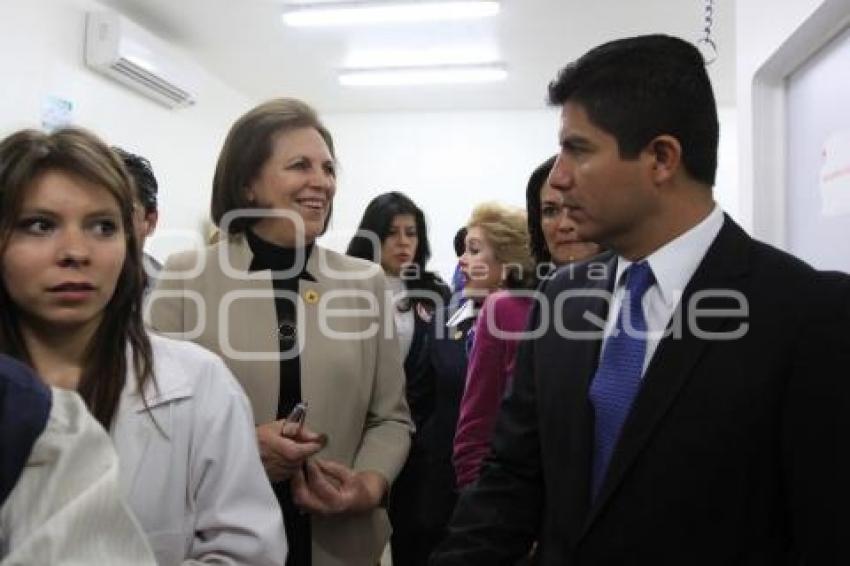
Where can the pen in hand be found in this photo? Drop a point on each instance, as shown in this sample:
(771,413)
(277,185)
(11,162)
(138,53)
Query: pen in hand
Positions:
(295,421)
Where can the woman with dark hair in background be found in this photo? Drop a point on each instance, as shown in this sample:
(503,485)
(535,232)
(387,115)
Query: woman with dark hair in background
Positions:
(394,234)
(503,318)
(286,342)
(70,307)
(553,234)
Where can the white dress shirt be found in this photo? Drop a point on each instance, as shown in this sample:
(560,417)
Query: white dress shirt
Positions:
(673,266)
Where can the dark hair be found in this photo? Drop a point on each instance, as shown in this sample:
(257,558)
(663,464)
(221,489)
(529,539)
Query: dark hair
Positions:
(641,87)
(144,180)
(246,149)
(536,182)
(460,241)
(377,219)
(24,157)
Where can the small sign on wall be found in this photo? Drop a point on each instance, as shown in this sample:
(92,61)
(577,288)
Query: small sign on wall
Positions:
(56,113)
(835,175)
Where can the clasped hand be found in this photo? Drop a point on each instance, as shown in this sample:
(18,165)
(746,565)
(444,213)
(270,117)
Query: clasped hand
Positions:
(327,488)
(282,455)
(318,486)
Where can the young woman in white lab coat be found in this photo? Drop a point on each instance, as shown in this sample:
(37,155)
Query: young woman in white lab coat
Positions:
(70,306)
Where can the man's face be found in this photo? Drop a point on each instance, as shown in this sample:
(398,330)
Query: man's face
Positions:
(610,199)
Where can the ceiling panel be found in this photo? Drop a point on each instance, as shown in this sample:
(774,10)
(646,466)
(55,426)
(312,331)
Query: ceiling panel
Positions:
(245,43)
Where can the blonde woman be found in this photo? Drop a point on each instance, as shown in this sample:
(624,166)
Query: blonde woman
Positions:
(553,243)
(496,256)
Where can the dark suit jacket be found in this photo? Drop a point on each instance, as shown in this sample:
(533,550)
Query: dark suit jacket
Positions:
(729,454)
(413,536)
(448,367)
(424,495)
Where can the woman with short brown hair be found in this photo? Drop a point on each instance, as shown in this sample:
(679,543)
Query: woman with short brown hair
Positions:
(272,197)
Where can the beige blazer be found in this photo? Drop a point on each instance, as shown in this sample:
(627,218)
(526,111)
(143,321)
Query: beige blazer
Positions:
(351,367)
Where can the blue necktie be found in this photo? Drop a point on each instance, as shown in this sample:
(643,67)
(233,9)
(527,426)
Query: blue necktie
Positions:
(618,376)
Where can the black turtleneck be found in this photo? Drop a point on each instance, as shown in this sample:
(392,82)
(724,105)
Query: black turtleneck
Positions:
(269,256)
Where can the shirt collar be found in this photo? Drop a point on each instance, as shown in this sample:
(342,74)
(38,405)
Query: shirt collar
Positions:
(178,384)
(674,263)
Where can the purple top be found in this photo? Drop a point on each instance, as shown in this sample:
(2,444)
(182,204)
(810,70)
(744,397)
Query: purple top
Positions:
(491,366)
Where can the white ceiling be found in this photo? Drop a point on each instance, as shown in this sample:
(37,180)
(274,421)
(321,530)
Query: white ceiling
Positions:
(245,43)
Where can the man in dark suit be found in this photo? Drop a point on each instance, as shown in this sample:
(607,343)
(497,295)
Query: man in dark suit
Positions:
(682,405)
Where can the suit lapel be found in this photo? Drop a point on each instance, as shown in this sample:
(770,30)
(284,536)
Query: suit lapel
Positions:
(250,343)
(419,342)
(675,358)
(315,360)
(563,398)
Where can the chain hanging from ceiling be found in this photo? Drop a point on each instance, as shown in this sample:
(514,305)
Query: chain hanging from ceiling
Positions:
(706,43)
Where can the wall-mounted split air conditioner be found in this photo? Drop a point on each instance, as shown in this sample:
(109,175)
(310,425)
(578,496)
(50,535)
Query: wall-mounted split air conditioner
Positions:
(126,52)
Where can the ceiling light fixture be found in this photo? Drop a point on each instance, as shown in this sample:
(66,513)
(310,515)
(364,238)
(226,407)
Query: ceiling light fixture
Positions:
(408,76)
(430,56)
(351,13)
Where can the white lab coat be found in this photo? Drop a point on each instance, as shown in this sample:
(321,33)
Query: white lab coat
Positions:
(197,485)
(66,507)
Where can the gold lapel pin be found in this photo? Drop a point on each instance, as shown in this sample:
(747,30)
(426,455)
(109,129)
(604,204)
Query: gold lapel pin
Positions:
(311,296)
(458,335)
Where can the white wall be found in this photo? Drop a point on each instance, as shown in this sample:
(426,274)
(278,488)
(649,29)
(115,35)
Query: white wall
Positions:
(726,191)
(447,162)
(762,26)
(41,54)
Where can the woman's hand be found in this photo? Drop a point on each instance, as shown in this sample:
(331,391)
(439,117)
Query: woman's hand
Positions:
(328,488)
(281,455)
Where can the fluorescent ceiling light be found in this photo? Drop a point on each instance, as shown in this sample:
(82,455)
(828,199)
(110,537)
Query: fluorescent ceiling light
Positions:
(315,2)
(432,56)
(457,74)
(387,12)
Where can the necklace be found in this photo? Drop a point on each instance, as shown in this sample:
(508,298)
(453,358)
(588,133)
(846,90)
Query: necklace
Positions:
(403,305)
(286,333)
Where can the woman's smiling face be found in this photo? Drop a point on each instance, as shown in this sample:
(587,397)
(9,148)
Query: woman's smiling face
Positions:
(299,180)
(478,264)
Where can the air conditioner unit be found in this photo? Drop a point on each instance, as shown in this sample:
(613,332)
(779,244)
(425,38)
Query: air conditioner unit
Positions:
(128,53)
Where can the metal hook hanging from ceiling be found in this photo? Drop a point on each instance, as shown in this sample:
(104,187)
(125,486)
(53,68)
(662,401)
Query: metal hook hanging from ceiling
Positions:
(706,43)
